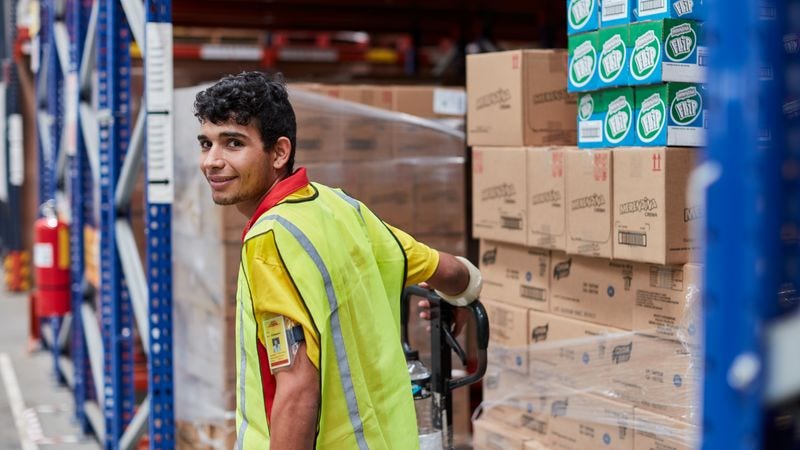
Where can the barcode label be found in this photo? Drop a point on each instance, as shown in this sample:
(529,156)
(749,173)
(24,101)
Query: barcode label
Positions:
(652,7)
(590,131)
(531,292)
(665,278)
(511,223)
(633,238)
(702,56)
(614,10)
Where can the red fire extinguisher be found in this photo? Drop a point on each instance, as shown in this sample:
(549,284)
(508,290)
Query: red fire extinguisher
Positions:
(51,264)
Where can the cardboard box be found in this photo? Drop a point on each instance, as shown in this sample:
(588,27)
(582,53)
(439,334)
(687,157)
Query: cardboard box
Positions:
(619,117)
(319,135)
(384,188)
(667,302)
(515,274)
(526,409)
(592,289)
(425,139)
(650,205)
(589,194)
(616,12)
(590,120)
(366,138)
(581,422)
(500,384)
(552,351)
(546,198)
(430,102)
(670,114)
(658,375)
(583,54)
(379,96)
(657,432)
(508,340)
(582,16)
(683,9)
(491,435)
(667,50)
(499,191)
(439,203)
(519,98)
(615,50)
(455,244)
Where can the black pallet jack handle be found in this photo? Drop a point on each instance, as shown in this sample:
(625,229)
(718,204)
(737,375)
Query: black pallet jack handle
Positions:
(443,343)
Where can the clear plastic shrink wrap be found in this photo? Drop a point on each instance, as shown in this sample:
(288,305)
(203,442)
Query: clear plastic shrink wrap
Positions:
(559,383)
(408,170)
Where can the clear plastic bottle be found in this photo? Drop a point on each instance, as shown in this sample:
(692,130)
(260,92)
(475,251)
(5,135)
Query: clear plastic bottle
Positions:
(429,438)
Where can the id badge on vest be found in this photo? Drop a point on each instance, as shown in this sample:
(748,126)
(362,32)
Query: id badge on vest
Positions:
(282,338)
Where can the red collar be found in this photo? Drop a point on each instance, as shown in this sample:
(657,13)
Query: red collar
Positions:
(284,188)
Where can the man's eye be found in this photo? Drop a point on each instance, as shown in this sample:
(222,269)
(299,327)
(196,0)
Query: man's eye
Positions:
(235,143)
(205,145)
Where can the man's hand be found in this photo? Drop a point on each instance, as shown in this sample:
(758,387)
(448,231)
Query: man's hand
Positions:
(461,314)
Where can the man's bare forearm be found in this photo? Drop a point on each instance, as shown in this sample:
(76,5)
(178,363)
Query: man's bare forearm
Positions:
(295,411)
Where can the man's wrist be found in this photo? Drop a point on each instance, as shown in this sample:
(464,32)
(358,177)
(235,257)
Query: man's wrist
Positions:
(473,289)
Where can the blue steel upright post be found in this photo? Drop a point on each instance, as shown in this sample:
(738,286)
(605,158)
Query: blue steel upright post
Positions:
(113,71)
(743,253)
(159,171)
(80,200)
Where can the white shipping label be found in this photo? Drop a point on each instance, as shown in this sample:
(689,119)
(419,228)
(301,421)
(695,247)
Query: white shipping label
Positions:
(16,157)
(158,67)
(3,148)
(449,102)
(160,187)
(43,255)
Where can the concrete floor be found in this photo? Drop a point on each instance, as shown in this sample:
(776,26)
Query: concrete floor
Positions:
(35,412)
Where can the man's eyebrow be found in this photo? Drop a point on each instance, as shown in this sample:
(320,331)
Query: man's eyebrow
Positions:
(202,137)
(233,134)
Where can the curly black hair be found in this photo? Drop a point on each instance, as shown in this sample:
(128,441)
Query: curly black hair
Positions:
(251,96)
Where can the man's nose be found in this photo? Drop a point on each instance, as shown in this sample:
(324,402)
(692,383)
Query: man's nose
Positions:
(213,158)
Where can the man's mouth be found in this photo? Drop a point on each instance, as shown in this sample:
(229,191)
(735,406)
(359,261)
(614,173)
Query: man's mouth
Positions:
(219,181)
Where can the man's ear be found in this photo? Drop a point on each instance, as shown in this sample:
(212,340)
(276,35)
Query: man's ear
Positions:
(281,152)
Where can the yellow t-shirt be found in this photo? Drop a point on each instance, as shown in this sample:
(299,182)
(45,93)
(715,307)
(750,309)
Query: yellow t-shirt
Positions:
(273,291)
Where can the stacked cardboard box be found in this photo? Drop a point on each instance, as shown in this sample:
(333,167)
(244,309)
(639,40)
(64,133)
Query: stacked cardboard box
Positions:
(586,254)
(415,184)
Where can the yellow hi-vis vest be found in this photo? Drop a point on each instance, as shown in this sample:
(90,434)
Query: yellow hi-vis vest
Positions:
(349,270)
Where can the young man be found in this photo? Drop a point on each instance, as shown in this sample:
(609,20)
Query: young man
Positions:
(319,361)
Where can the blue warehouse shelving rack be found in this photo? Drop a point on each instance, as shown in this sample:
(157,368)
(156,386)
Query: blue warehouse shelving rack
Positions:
(91,150)
(752,360)
(12,252)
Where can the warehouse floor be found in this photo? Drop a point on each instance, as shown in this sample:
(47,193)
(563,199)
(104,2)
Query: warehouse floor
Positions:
(34,411)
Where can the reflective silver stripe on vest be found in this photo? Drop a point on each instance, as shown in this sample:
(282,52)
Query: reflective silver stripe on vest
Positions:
(353,202)
(336,329)
(242,376)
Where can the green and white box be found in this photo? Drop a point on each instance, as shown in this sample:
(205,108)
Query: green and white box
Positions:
(616,12)
(619,117)
(613,63)
(670,114)
(582,16)
(666,50)
(590,120)
(583,56)
(666,9)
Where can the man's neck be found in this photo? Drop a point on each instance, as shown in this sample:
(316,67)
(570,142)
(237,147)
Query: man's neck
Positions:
(247,209)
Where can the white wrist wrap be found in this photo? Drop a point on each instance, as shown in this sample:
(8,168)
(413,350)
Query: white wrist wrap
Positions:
(473,289)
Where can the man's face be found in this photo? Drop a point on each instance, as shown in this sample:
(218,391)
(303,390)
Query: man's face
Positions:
(235,164)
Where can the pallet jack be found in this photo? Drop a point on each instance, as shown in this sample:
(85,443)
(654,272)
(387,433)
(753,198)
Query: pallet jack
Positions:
(432,389)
